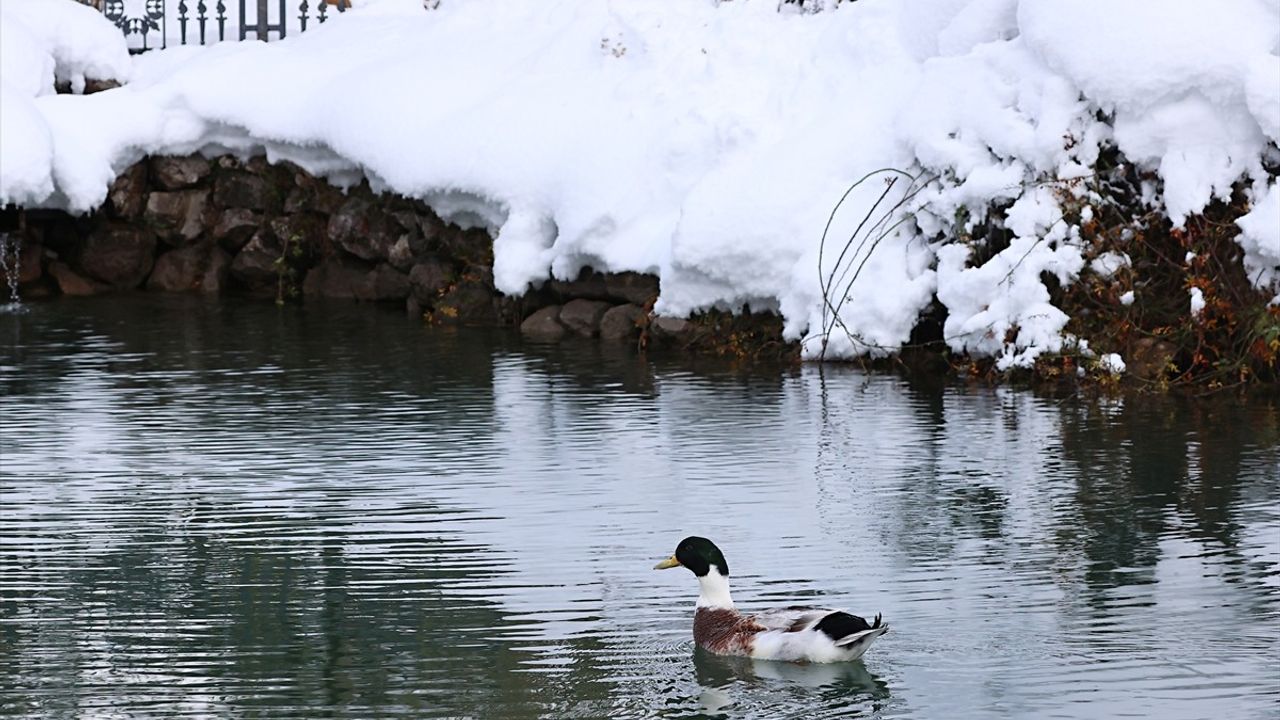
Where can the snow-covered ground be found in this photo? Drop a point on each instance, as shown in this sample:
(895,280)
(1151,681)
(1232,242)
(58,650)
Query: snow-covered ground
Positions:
(705,142)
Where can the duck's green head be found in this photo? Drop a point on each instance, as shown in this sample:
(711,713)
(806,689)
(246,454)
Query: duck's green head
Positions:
(698,554)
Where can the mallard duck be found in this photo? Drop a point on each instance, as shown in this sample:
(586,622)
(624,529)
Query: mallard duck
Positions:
(796,633)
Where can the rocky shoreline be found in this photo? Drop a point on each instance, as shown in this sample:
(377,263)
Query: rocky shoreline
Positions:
(274,231)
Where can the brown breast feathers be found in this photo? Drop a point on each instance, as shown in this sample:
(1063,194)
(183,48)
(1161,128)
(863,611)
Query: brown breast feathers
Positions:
(724,632)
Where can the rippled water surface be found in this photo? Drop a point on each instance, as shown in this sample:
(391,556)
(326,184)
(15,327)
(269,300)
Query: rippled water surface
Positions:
(236,510)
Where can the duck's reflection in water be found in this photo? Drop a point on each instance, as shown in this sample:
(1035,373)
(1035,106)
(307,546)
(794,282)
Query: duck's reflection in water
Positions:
(724,678)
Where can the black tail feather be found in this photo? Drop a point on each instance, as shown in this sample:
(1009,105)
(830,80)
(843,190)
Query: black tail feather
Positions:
(839,625)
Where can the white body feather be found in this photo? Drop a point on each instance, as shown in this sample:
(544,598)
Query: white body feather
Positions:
(780,642)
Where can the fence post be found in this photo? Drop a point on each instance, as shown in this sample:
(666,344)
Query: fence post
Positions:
(262,20)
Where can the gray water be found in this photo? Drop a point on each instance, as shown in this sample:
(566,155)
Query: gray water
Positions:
(237,510)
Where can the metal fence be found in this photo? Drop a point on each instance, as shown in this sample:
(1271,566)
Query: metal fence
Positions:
(146,23)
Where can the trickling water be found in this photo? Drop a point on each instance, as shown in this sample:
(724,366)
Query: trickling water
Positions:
(11,264)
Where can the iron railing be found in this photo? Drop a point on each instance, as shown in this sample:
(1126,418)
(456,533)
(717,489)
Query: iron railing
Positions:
(147,28)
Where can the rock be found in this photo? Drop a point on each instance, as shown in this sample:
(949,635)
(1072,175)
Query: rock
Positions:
(588,285)
(255,264)
(470,302)
(178,217)
(95,86)
(353,280)
(128,192)
(300,230)
(119,256)
(239,189)
(544,324)
(176,173)
(313,195)
(621,322)
(234,228)
(583,316)
(670,327)
(183,268)
(30,258)
(336,278)
(1149,358)
(362,230)
(401,254)
(216,271)
(386,283)
(257,164)
(407,220)
(472,247)
(631,287)
(70,283)
(428,279)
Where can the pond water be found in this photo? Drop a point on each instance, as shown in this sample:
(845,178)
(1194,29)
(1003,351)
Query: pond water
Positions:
(222,509)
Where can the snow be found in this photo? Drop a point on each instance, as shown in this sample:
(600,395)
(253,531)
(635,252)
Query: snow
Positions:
(1260,238)
(1109,263)
(1197,301)
(1127,298)
(70,39)
(1112,363)
(42,43)
(709,143)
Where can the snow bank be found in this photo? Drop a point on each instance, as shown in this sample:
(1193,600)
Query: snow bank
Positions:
(709,143)
(43,42)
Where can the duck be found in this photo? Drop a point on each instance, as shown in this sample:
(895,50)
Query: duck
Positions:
(796,633)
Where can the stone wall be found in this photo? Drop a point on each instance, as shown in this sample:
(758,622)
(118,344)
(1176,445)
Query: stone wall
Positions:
(193,224)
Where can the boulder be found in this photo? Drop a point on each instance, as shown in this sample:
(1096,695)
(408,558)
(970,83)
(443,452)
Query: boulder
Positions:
(216,271)
(386,283)
(631,287)
(588,285)
(470,301)
(472,246)
(176,173)
(621,322)
(256,264)
(402,253)
(670,328)
(336,278)
(128,192)
(30,257)
(70,283)
(583,316)
(118,256)
(177,217)
(234,228)
(544,324)
(313,194)
(428,279)
(186,268)
(239,189)
(92,85)
(299,230)
(362,230)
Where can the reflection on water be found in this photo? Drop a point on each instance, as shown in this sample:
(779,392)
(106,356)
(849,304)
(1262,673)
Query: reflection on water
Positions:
(838,689)
(220,510)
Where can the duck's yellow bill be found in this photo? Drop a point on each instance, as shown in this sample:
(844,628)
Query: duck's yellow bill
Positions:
(668,563)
